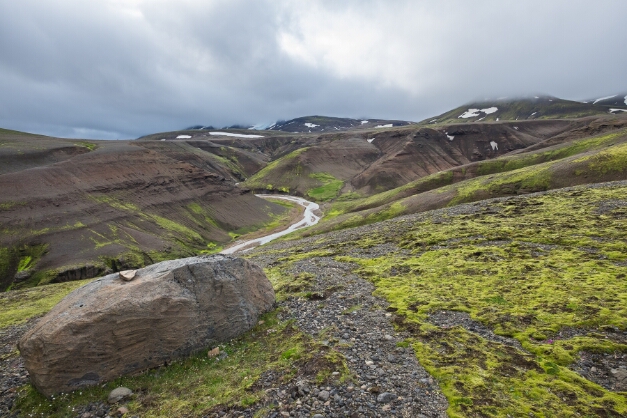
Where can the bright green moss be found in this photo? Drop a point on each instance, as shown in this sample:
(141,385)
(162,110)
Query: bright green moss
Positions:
(526,269)
(329,189)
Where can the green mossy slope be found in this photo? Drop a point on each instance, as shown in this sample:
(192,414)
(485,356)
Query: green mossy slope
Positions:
(526,268)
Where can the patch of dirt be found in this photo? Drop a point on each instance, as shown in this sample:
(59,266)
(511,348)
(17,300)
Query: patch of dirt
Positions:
(448,319)
(605,369)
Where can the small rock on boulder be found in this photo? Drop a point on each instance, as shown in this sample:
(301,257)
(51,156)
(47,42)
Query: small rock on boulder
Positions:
(128,275)
(111,327)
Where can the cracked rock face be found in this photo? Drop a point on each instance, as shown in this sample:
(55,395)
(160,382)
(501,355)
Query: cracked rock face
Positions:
(111,327)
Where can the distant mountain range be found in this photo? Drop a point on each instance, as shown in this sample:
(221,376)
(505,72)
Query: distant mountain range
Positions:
(501,109)
(307,124)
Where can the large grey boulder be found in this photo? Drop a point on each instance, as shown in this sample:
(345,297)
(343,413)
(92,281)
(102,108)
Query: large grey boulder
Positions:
(111,327)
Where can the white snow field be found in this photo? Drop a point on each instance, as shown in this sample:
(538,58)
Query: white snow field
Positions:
(183,137)
(310,125)
(235,135)
(495,146)
(603,98)
(389,125)
(472,113)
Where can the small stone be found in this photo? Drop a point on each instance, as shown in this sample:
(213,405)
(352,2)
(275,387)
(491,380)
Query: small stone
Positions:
(386,397)
(621,380)
(386,407)
(118,394)
(261,322)
(122,410)
(318,416)
(214,352)
(388,337)
(369,362)
(323,395)
(335,373)
(128,275)
(593,369)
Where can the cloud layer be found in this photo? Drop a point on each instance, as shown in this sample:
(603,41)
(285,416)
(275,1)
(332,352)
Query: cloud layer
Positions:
(123,68)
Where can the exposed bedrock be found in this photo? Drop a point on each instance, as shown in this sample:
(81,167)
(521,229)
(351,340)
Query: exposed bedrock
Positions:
(111,327)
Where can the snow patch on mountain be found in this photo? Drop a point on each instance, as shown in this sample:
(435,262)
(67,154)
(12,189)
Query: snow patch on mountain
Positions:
(472,113)
(364,122)
(263,126)
(617,110)
(310,125)
(389,125)
(495,146)
(183,137)
(603,98)
(235,135)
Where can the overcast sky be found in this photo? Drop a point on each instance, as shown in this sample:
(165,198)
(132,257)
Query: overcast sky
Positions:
(123,68)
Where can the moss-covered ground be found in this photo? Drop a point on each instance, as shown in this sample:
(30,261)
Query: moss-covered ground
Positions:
(525,267)
(328,190)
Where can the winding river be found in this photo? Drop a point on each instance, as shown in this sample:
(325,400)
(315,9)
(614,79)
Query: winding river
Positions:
(309,219)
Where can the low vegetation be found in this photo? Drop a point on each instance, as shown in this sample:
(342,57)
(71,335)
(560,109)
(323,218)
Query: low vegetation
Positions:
(547,272)
(328,190)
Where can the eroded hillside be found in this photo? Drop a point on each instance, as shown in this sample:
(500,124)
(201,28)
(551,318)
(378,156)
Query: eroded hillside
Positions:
(73,209)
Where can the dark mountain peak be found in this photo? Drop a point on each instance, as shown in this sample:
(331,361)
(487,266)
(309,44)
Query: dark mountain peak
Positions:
(316,123)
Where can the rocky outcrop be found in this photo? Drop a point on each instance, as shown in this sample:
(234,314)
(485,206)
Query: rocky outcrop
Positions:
(112,327)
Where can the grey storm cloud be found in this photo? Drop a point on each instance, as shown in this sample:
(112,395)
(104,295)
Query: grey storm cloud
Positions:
(123,68)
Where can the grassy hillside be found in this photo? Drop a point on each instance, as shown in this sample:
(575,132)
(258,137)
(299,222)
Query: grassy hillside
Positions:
(589,160)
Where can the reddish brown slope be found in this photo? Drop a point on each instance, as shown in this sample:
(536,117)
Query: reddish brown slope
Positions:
(121,205)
